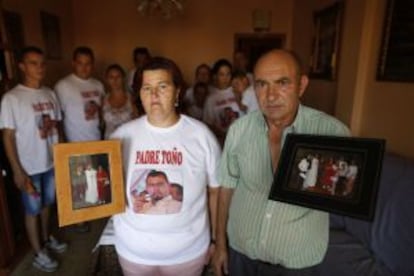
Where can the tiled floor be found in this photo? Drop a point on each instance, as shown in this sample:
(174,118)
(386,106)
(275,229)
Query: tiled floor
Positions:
(76,261)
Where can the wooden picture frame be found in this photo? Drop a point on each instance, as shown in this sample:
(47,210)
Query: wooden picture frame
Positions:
(325,52)
(51,35)
(396,57)
(334,174)
(89,180)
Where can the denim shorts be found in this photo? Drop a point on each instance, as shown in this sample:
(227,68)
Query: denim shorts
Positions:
(44,183)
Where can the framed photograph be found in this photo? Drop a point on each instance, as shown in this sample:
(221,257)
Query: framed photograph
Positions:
(324,58)
(334,174)
(89,180)
(396,58)
(51,35)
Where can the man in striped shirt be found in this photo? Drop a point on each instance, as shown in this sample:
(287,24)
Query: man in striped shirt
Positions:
(268,237)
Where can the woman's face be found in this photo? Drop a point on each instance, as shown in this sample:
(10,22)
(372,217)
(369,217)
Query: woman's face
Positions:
(159,95)
(114,79)
(223,77)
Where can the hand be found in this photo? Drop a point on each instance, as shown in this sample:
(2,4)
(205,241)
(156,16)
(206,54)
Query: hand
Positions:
(220,261)
(20,179)
(210,253)
(141,203)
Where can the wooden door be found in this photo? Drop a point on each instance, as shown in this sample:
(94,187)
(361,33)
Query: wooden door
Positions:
(255,44)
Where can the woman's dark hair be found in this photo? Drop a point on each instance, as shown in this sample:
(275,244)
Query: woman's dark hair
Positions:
(220,63)
(117,67)
(162,63)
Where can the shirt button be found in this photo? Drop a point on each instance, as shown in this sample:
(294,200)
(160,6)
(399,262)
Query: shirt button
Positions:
(268,215)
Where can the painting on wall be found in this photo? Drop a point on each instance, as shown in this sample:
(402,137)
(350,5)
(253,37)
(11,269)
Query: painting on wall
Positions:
(396,60)
(51,35)
(325,52)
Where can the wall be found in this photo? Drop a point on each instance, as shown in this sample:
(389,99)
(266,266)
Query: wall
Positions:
(204,33)
(386,107)
(321,94)
(30,12)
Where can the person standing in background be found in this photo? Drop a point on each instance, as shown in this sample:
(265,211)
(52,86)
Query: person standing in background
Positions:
(221,105)
(29,150)
(118,106)
(244,92)
(80,96)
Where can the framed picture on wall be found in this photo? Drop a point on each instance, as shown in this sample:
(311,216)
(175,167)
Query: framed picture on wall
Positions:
(396,60)
(334,174)
(51,35)
(89,180)
(325,52)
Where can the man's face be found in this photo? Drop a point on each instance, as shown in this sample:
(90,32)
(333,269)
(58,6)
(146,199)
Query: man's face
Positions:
(278,87)
(140,60)
(157,187)
(33,67)
(82,66)
(240,61)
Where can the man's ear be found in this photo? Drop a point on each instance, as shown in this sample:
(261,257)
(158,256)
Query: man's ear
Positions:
(303,84)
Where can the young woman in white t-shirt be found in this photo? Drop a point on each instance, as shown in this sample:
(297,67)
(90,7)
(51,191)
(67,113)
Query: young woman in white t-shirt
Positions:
(118,106)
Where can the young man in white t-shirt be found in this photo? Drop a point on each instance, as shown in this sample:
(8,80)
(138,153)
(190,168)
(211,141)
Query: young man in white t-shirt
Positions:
(30,116)
(80,97)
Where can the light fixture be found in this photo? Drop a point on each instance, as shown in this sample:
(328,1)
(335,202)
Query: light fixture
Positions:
(163,8)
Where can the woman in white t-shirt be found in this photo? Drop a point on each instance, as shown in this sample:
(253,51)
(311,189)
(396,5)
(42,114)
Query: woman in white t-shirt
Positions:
(118,106)
(221,108)
(170,160)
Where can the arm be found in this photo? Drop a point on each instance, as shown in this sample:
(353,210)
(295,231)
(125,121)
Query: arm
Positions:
(220,259)
(61,132)
(19,174)
(212,206)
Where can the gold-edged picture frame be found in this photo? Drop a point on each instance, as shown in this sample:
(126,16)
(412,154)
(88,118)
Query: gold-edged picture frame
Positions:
(89,180)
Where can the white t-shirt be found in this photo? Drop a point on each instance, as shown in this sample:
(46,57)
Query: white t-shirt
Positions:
(221,109)
(188,153)
(114,117)
(249,99)
(80,101)
(33,114)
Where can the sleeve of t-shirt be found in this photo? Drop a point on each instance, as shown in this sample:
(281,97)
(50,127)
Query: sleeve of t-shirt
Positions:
(7,115)
(212,159)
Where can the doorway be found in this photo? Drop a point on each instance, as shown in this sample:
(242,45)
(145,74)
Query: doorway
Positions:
(255,44)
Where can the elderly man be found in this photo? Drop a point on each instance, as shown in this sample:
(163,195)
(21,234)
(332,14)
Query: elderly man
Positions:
(268,237)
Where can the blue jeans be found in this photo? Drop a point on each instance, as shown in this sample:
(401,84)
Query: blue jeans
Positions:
(44,184)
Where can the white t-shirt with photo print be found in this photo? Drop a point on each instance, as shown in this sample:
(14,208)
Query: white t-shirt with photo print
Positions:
(33,115)
(174,229)
(80,101)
